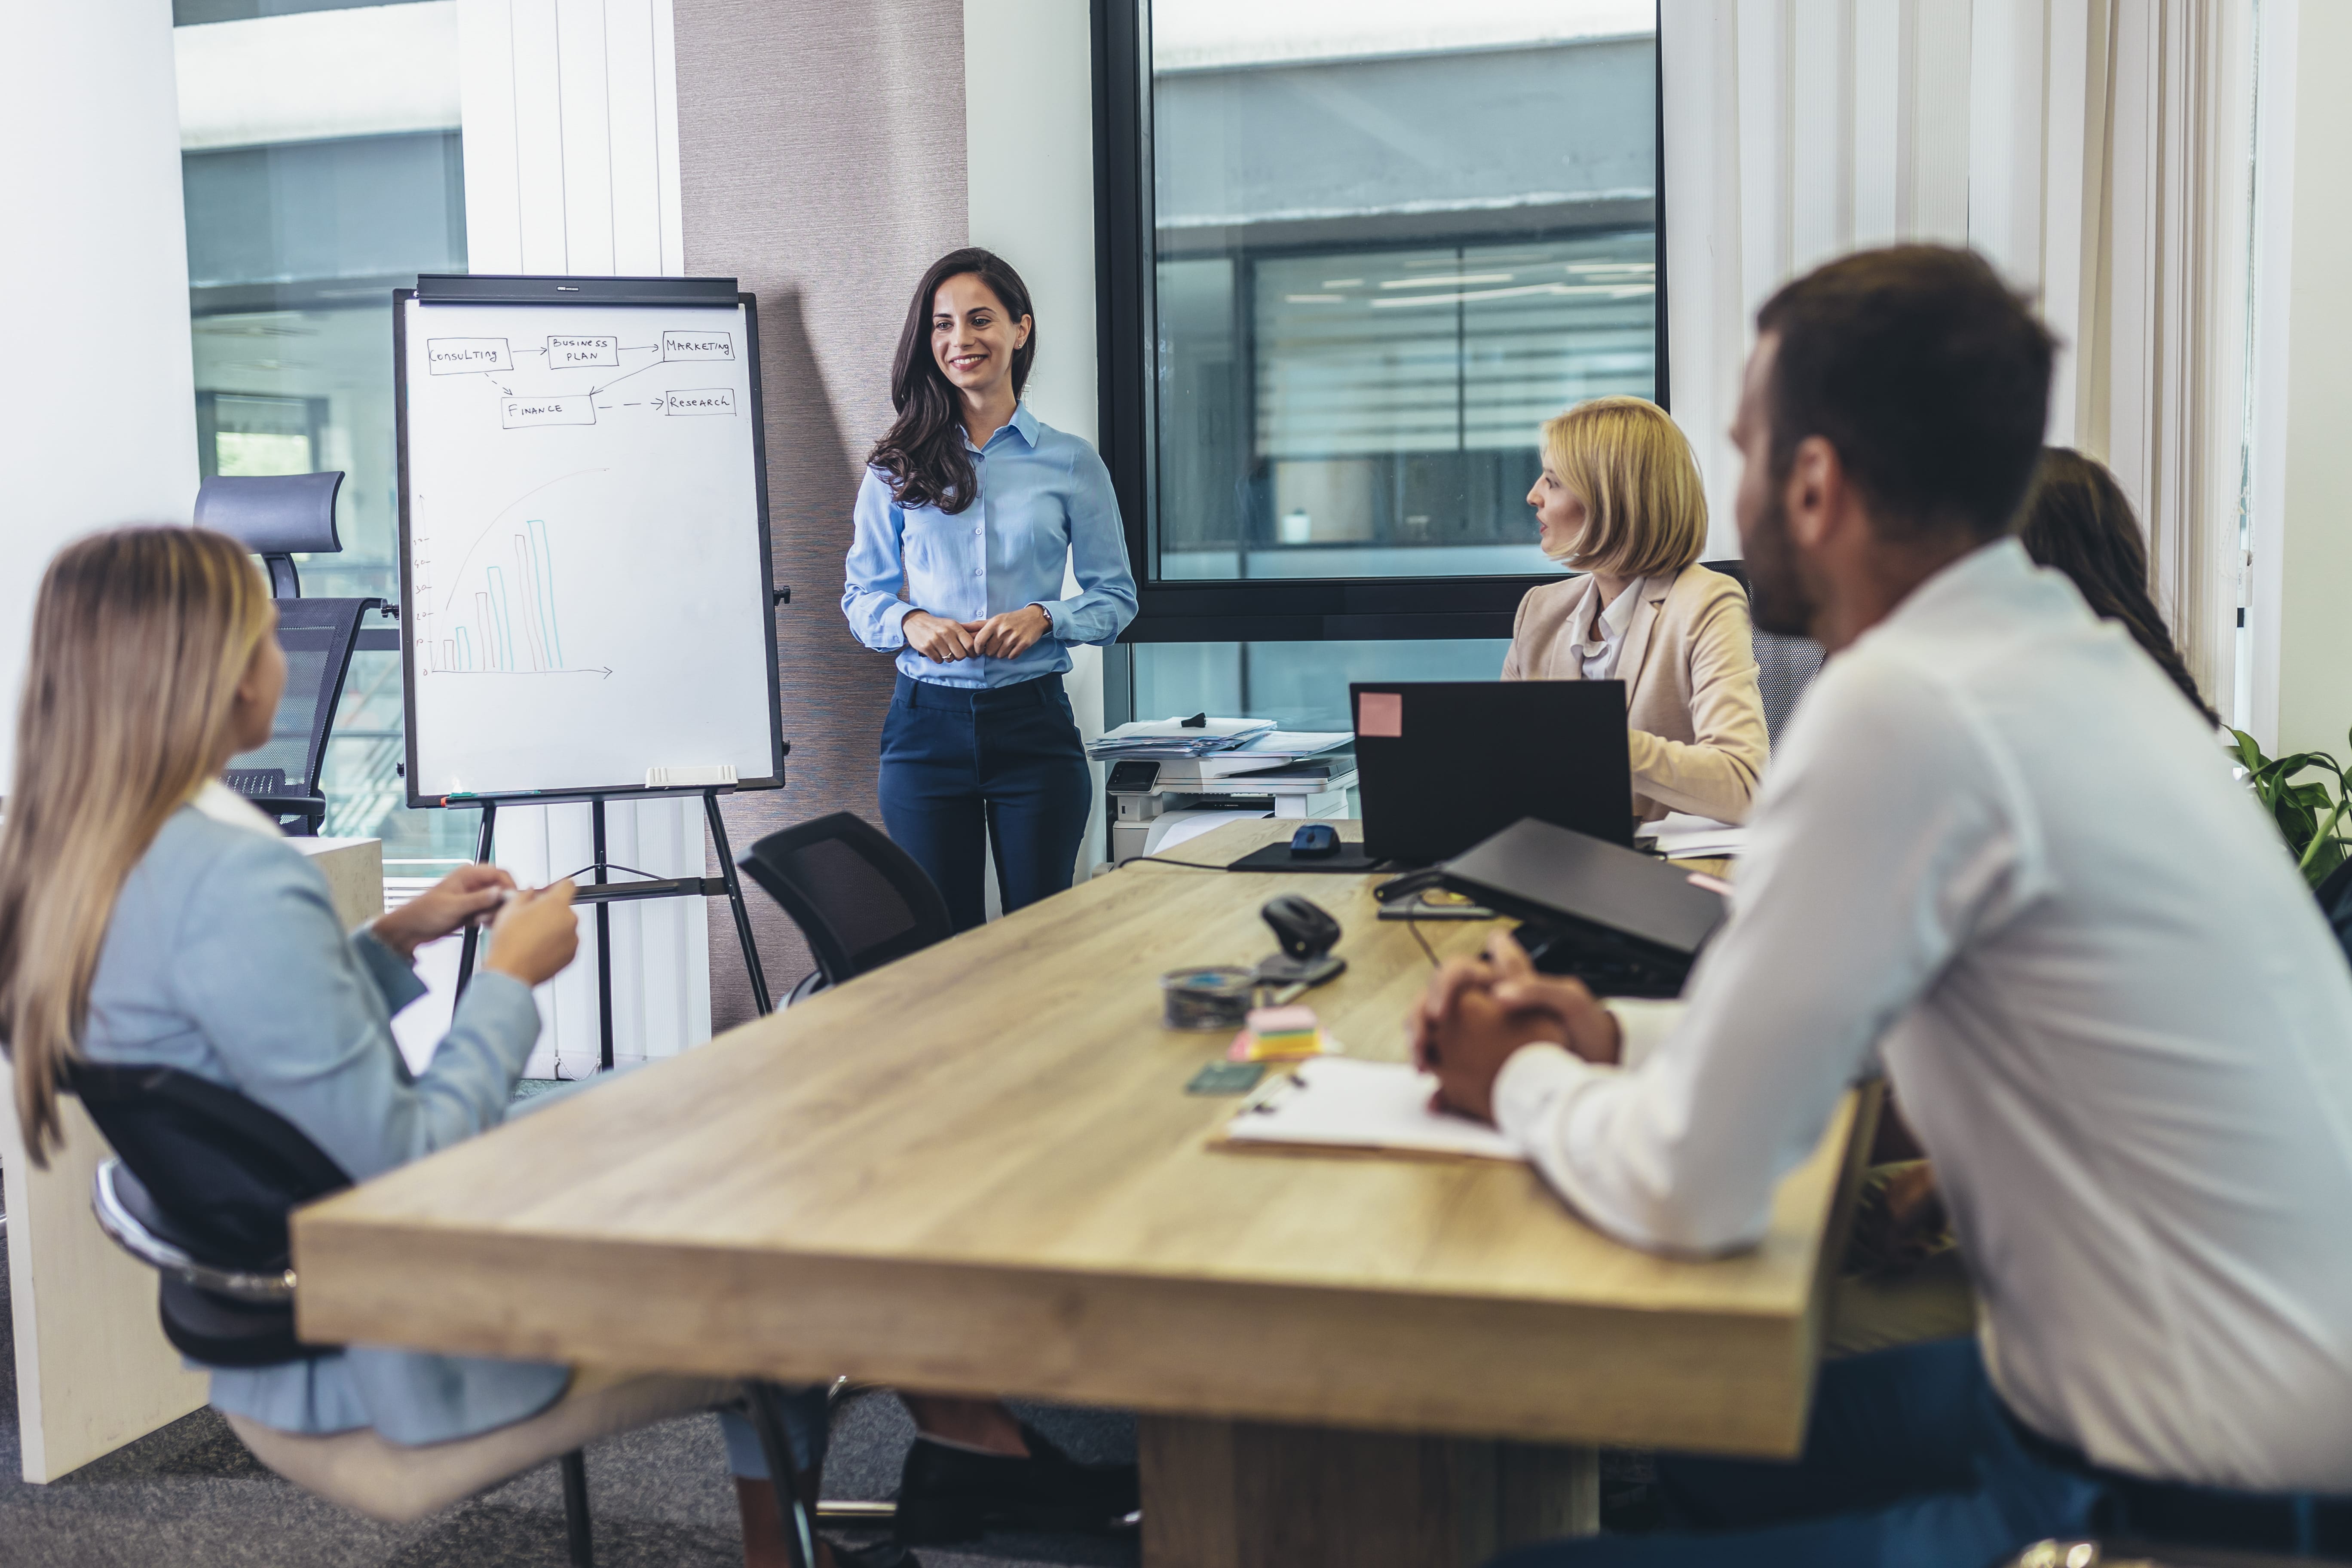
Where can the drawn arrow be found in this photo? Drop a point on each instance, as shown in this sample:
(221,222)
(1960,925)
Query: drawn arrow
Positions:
(624,376)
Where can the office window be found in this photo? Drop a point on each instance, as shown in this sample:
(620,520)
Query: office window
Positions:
(1369,248)
(1299,686)
(196,13)
(293,251)
(1387,244)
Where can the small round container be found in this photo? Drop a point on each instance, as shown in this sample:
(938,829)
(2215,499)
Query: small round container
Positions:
(1207,999)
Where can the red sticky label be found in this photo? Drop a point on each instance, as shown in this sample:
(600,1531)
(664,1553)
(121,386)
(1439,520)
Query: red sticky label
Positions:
(1380,715)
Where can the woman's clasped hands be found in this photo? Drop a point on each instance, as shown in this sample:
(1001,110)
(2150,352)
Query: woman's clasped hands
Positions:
(1005,635)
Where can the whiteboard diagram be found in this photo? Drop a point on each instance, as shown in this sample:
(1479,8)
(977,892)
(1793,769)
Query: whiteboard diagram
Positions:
(585,581)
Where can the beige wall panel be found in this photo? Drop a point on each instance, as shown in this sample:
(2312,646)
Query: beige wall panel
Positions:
(821,152)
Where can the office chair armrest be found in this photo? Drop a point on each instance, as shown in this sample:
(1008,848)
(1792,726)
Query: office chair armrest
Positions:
(126,1230)
(289,804)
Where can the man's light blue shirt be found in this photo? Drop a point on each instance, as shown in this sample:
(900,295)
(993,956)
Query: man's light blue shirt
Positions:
(1045,497)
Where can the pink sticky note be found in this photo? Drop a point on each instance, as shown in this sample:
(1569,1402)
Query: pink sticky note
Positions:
(1380,715)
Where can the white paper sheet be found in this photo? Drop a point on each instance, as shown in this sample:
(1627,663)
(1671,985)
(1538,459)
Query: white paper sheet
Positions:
(1337,1102)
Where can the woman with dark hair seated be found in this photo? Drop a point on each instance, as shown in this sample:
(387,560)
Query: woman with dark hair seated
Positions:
(2076,519)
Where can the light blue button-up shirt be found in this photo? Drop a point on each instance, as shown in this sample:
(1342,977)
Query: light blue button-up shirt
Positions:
(1044,499)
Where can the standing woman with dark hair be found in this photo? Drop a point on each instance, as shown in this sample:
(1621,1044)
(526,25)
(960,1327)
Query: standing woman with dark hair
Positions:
(971,509)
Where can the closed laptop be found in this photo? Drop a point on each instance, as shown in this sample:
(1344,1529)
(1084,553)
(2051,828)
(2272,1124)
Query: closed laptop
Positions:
(1616,904)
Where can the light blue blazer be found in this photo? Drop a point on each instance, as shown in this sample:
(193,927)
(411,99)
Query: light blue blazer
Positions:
(224,958)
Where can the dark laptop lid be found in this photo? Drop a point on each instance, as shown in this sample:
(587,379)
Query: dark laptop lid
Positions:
(1554,877)
(1442,764)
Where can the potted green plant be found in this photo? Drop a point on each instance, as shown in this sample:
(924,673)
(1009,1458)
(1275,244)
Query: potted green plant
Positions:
(2310,815)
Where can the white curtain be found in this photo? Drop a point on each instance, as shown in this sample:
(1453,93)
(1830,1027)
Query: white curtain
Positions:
(571,146)
(2096,150)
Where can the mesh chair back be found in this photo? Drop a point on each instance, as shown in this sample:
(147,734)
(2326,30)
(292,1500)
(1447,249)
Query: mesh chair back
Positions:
(281,776)
(1784,666)
(858,899)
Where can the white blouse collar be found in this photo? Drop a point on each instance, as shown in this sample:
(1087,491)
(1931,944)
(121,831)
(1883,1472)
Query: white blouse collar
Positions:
(224,805)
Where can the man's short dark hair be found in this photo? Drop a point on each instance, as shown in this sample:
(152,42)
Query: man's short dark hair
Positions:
(1926,373)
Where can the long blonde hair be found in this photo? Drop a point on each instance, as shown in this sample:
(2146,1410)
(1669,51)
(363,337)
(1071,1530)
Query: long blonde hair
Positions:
(140,638)
(1646,507)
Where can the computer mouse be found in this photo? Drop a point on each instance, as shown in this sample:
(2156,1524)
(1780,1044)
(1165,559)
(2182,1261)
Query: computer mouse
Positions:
(1304,928)
(1315,841)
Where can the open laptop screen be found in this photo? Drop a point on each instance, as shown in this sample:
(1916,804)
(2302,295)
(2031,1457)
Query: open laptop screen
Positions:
(1442,766)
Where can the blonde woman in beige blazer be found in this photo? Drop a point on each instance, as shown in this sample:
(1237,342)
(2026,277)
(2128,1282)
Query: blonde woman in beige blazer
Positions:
(1620,501)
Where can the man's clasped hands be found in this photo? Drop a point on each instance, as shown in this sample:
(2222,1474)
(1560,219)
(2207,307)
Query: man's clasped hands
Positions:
(1479,1011)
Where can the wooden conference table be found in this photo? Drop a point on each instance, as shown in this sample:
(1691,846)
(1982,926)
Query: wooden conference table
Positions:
(976,1171)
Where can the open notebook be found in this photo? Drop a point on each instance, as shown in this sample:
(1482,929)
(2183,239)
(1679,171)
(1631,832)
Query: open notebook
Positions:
(1336,1102)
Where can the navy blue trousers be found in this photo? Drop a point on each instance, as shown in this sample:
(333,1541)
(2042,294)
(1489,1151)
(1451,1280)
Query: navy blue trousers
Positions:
(965,769)
(1909,1462)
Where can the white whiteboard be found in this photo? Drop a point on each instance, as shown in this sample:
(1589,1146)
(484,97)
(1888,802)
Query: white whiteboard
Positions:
(585,566)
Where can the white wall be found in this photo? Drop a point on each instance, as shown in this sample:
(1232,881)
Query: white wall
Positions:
(570,139)
(98,422)
(2301,503)
(97,427)
(1029,138)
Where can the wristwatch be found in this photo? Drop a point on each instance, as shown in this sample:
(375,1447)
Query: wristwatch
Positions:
(1048,615)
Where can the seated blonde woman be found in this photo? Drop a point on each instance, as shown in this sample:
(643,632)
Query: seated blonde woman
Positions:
(149,916)
(1620,501)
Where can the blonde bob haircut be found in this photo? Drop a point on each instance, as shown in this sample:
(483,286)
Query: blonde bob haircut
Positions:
(1645,509)
(139,638)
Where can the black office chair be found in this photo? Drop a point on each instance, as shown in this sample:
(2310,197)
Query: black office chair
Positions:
(275,517)
(858,899)
(200,1189)
(1785,666)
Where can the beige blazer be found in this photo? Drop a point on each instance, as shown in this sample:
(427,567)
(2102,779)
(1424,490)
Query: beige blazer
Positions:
(1688,661)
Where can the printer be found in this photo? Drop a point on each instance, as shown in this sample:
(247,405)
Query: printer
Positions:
(1148,797)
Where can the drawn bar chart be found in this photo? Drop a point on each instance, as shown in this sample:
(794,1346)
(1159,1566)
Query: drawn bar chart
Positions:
(514,628)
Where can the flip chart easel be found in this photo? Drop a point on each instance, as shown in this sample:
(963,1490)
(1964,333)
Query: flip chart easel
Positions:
(586,579)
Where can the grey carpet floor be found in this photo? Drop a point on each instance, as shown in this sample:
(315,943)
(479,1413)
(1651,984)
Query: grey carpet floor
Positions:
(191,1497)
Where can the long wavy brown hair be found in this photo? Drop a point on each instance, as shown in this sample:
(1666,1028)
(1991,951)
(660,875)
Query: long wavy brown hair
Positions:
(140,638)
(923,452)
(2076,519)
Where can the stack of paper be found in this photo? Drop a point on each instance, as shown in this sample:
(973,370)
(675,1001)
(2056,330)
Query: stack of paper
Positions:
(1681,836)
(1338,1103)
(1175,737)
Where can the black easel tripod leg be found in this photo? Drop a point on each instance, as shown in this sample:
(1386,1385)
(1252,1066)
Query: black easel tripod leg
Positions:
(735,901)
(577,1531)
(604,946)
(783,1473)
(473,933)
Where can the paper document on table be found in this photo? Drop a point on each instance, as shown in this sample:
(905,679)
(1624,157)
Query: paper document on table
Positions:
(1340,1103)
(1681,836)
(1150,738)
(1175,828)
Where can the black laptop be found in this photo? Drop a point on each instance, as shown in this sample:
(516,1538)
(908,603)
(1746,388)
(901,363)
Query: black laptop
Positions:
(1626,923)
(1444,765)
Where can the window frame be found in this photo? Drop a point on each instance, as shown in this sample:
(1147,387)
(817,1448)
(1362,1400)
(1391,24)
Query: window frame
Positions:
(1305,609)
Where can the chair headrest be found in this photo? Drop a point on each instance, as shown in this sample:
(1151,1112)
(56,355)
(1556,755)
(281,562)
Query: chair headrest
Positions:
(273,514)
